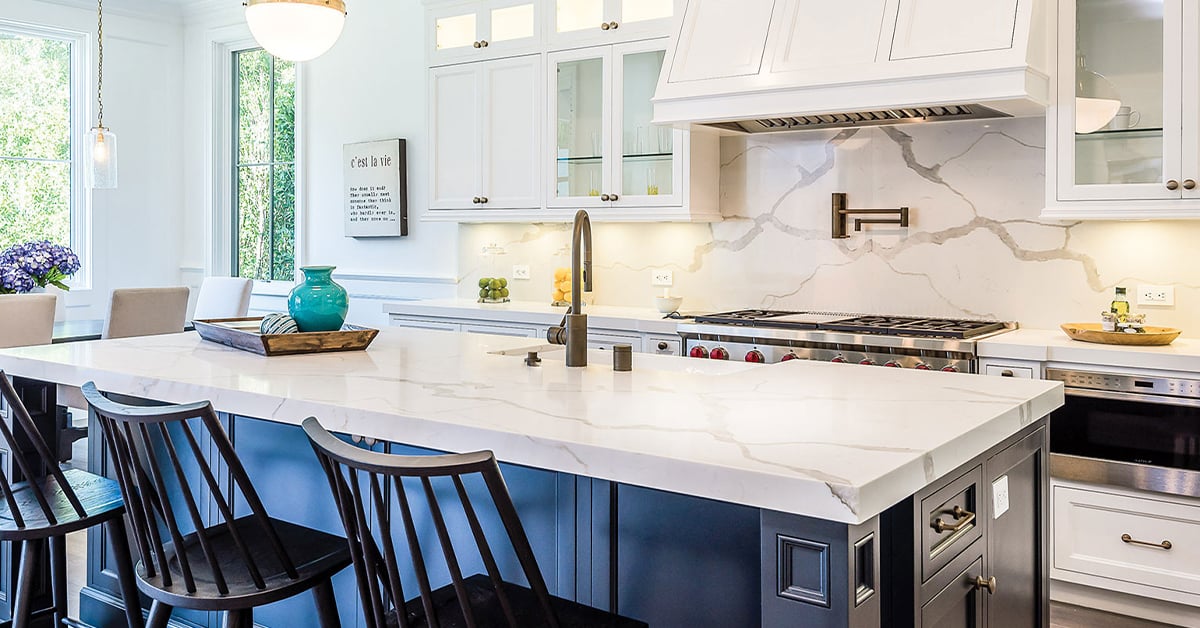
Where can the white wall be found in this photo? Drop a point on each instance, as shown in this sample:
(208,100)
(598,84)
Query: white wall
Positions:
(370,86)
(142,105)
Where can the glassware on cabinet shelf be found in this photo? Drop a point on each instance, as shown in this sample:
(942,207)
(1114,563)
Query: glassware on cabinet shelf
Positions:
(1119,70)
(647,154)
(580,113)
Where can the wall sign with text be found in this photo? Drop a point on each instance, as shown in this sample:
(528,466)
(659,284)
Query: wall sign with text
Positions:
(376,188)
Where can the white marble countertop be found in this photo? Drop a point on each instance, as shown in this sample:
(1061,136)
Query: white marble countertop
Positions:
(834,441)
(1053,345)
(637,319)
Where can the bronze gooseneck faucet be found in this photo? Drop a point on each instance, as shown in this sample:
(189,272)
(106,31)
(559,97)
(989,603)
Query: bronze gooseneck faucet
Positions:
(572,332)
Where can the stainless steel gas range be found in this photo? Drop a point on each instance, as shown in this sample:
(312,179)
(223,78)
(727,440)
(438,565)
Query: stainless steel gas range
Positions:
(769,336)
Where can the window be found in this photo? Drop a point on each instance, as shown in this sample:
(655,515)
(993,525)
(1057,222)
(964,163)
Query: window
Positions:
(264,216)
(40,191)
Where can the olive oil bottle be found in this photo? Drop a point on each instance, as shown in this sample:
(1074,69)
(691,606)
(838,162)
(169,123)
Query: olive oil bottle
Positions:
(1120,305)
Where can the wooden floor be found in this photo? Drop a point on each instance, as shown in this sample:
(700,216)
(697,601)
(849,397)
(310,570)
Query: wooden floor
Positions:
(1067,616)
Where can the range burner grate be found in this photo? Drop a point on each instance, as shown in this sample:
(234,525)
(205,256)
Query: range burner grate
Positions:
(904,326)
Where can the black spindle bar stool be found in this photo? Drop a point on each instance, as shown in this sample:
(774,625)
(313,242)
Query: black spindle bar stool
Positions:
(44,504)
(238,563)
(370,482)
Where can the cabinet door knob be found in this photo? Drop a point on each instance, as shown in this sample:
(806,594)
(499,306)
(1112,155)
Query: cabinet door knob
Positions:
(605,197)
(662,346)
(1172,185)
(478,44)
(476,200)
(1189,184)
(613,197)
(605,26)
(614,25)
(483,43)
(982,583)
(483,199)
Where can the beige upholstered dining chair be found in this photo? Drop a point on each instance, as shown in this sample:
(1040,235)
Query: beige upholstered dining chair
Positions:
(146,312)
(223,297)
(26,319)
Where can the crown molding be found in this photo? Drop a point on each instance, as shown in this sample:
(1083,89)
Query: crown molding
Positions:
(157,9)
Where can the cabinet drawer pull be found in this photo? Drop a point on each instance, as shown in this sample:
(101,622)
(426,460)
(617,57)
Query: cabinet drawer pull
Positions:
(1172,185)
(1189,184)
(1007,373)
(964,518)
(982,583)
(1125,538)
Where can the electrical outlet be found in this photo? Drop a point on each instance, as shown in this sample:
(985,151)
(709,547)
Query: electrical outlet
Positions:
(662,277)
(520,271)
(1156,295)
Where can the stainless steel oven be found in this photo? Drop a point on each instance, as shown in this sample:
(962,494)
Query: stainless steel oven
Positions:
(1127,430)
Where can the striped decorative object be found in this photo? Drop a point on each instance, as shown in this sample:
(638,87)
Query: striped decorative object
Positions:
(273,324)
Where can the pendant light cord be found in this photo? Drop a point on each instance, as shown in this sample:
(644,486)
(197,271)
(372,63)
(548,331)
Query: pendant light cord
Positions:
(100,63)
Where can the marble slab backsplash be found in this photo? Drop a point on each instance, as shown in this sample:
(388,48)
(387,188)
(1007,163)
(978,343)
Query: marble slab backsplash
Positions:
(975,246)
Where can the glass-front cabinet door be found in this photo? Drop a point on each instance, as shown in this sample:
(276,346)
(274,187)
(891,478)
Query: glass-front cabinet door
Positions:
(578,22)
(580,99)
(607,153)
(1120,132)
(648,171)
(483,30)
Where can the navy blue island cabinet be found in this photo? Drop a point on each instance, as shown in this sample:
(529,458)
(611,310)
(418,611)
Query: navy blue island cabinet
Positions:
(677,561)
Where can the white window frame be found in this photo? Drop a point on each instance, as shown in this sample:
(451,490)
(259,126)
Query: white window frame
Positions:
(219,252)
(81,112)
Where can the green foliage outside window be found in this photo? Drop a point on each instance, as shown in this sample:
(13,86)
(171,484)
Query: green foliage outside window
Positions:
(35,140)
(265,196)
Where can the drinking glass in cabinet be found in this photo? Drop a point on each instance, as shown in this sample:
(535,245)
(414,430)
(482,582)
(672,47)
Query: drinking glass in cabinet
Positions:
(647,153)
(580,95)
(1119,71)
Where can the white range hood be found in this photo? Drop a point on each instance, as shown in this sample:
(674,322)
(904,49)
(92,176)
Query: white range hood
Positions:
(754,66)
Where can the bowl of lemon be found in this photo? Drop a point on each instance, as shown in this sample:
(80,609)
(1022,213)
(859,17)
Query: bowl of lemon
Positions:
(493,290)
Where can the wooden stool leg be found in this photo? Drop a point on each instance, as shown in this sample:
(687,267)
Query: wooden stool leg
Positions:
(125,575)
(327,613)
(243,618)
(29,558)
(58,577)
(160,614)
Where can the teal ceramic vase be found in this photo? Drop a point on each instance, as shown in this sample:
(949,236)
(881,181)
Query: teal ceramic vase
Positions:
(318,304)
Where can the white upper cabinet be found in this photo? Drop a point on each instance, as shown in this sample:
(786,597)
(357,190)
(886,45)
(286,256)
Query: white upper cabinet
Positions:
(485,135)
(929,28)
(488,29)
(819,34)
(741,25)
(1123,141)
(575,23)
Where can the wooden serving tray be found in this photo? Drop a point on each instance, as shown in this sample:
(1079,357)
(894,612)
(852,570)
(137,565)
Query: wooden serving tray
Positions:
(244,334)
(1093,332)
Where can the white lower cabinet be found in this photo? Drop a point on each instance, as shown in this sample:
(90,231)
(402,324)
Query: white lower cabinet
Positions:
(521,331)
(424,323)
(1136,543)
(603,339)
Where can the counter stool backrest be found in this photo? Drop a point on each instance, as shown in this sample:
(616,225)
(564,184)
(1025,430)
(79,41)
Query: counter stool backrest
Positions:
(24,427)
(223,297)
(150,463)
(26,319)
(364,481)
(146,312)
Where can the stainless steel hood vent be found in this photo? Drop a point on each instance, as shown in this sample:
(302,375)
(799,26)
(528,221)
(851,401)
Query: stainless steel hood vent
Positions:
(861,118)
(765,66)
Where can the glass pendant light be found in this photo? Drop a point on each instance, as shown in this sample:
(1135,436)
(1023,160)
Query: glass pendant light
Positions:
(101,142)
(296,30)
(1096,98)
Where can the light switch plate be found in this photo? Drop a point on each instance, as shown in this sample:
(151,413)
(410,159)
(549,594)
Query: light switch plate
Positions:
(1157,296)
(662,278)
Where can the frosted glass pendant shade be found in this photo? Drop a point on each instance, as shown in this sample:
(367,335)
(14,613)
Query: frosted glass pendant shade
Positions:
(101,159)
(296,30)
(1096,99)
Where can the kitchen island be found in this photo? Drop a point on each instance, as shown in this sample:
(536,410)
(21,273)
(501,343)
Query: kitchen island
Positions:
(684,493)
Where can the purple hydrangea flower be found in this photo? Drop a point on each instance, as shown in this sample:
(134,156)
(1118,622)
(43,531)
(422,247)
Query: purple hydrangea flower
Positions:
(25,266)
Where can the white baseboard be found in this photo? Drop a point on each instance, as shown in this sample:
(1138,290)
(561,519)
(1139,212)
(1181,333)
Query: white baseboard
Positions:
(1124,604)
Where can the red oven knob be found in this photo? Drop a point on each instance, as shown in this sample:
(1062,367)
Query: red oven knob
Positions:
(790,356)
(950,368)
(868,362)
(894,364)
(755,356)
(719,353)
(921,366)
(841,359)
(698,352)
